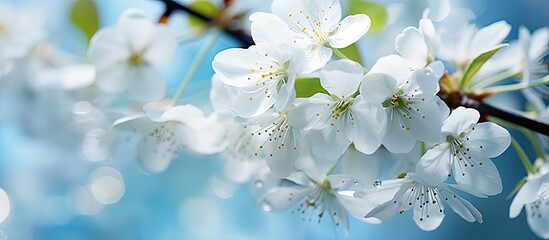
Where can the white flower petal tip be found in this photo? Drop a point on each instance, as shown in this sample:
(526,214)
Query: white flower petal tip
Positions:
(350,30)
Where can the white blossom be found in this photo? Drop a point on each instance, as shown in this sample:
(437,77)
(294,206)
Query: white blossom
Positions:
(534,197)
(465,153)
(280,141)
(128,55)
(235,143)
(335,121)
(315,26)
(408,99)
(463,47)
(264,75)
(418,46)
(163,130)
(425,198)
(315,193)
(20,30)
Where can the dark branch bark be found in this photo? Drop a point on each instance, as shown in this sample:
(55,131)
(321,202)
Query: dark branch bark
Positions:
(484,109)
(244,39)
(489,110)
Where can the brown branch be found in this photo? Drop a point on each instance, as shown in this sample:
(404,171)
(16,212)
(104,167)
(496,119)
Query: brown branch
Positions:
(244,39)
(489,110)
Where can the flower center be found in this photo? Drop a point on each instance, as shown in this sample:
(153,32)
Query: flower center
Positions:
(341,107)
(312,29)
(3,29)
(135,59)
(398,100)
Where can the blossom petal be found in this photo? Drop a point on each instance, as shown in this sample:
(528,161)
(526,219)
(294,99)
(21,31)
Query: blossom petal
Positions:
(341,77)
(538,217)
(412,47)
(538,43)
(428,79)
(430,37)
(285,97)
(222,96)
(490,138)
(480,177)
(461,206)
(364,168)
(245,67)
(343,182)
(282,198)
(299,178)
(4,205)
(350,30)
(113,78)
(329,144)
(526,194)
(393,65)
(424,122)
(301,13)
(543,190)
(357,207)
(461,120)
(434,165)
(156,150)
(162,48)
(378,87)
(428,217)
(267,28)
(397,139)
(183,113)
(316,57)
(281,162)
(384,195)
(253,103)
(205,140)
(138,28)
(147,83)
(133,123)
(107,47)
(370,121)
(313,113)
(439,9)
(488,38)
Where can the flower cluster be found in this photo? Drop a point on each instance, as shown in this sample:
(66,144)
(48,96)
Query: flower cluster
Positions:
(358,112)
(294,114)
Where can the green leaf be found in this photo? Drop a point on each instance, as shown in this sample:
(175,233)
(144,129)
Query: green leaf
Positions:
(307,87)
(352,53)
(377,13)
(84,15)
(204,7)
(476,65)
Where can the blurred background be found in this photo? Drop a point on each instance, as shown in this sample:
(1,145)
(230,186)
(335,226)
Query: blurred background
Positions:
(48,179)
